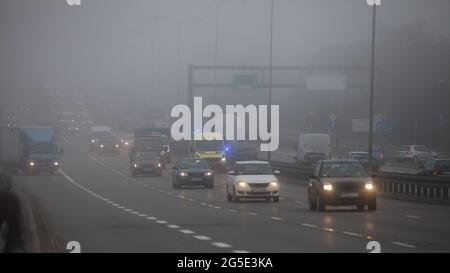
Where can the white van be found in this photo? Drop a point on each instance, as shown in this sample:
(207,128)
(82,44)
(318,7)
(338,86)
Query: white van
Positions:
(313,147)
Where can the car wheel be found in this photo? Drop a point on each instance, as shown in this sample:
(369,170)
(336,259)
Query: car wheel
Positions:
(276,199)
(319,203)
(372,205)
(229,196)
(235,198)
(360,207)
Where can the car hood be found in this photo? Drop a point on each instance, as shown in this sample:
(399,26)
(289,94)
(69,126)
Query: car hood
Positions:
(256,178)
(345,179)
(43,157)
(195,170)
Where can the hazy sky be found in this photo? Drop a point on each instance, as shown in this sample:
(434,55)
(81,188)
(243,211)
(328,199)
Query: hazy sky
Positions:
(107,44)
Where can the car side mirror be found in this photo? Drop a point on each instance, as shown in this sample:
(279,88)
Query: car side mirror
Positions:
(231,173)
(276,172)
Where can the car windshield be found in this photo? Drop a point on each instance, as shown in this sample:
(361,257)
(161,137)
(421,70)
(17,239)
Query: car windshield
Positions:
(146,156)
(253,169)
(343,169)
(193,164)
(148,143)
(44,148)
(209,145)
(317,156)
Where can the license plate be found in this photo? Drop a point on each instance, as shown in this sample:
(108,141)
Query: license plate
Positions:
(148,170)
(258,189)
(349,195)
(196,179)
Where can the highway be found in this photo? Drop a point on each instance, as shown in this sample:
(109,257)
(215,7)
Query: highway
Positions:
(94,200)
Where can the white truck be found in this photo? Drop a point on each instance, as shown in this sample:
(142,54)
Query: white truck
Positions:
(313,147)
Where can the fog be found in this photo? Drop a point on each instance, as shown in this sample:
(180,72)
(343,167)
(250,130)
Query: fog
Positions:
(123,55)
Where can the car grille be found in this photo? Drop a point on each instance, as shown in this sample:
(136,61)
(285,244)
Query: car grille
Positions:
(195,174)
(258,185)
(259,193)
(348,186)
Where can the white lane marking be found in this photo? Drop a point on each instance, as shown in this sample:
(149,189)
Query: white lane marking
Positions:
(110,202)
(186,231)
(152,188)
(221,245)
(161,191)
(191,200)
(217,207)
(253,213)
(240,251)
(352,234)
(299,202)
(181,196)
(232,210)
(413,216)
(202,237)
(169,193)
(203,204)
(404,244)
(276,218)
(308,225)
(282,198)
(145,185)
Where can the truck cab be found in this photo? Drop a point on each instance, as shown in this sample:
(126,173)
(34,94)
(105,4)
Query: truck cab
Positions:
(211,147)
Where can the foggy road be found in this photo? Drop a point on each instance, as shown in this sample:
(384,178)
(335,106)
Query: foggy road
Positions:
(93,200)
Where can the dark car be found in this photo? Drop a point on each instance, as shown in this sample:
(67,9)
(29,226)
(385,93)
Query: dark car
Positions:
(146,163)
(312,158)
(192,172)
(341,183)
(436,168)
(108,145)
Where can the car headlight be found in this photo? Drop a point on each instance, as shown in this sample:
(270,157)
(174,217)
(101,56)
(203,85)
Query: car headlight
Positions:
(117,145)
(327,187)
(273,184)
(135,165)
(101,146)
(243,184)
(126,143)
(369,186)
(223,159)
(92,141)
(31,163)
(208,173)
(159,165)
(183,174)
(56,163)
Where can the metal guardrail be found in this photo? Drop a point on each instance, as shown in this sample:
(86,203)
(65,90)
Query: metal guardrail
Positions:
(401,186)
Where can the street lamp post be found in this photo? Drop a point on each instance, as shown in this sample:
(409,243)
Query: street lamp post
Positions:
(270,73)
(178,29)
(374,4)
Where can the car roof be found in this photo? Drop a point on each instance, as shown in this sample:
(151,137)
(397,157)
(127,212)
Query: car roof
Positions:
(252,162)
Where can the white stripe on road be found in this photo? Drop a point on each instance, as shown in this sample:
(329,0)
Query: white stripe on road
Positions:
(161,222)
(173,226)
(276,218)
(186,231)
(202,237)
(352,234)
(240,251)
(308,225)
(253,213)
(413,216)
(221,245)
(404,244)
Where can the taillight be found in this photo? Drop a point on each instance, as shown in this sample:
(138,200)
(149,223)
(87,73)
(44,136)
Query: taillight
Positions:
(434,173)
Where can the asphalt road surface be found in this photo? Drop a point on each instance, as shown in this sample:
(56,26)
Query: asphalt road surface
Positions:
(94,200)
